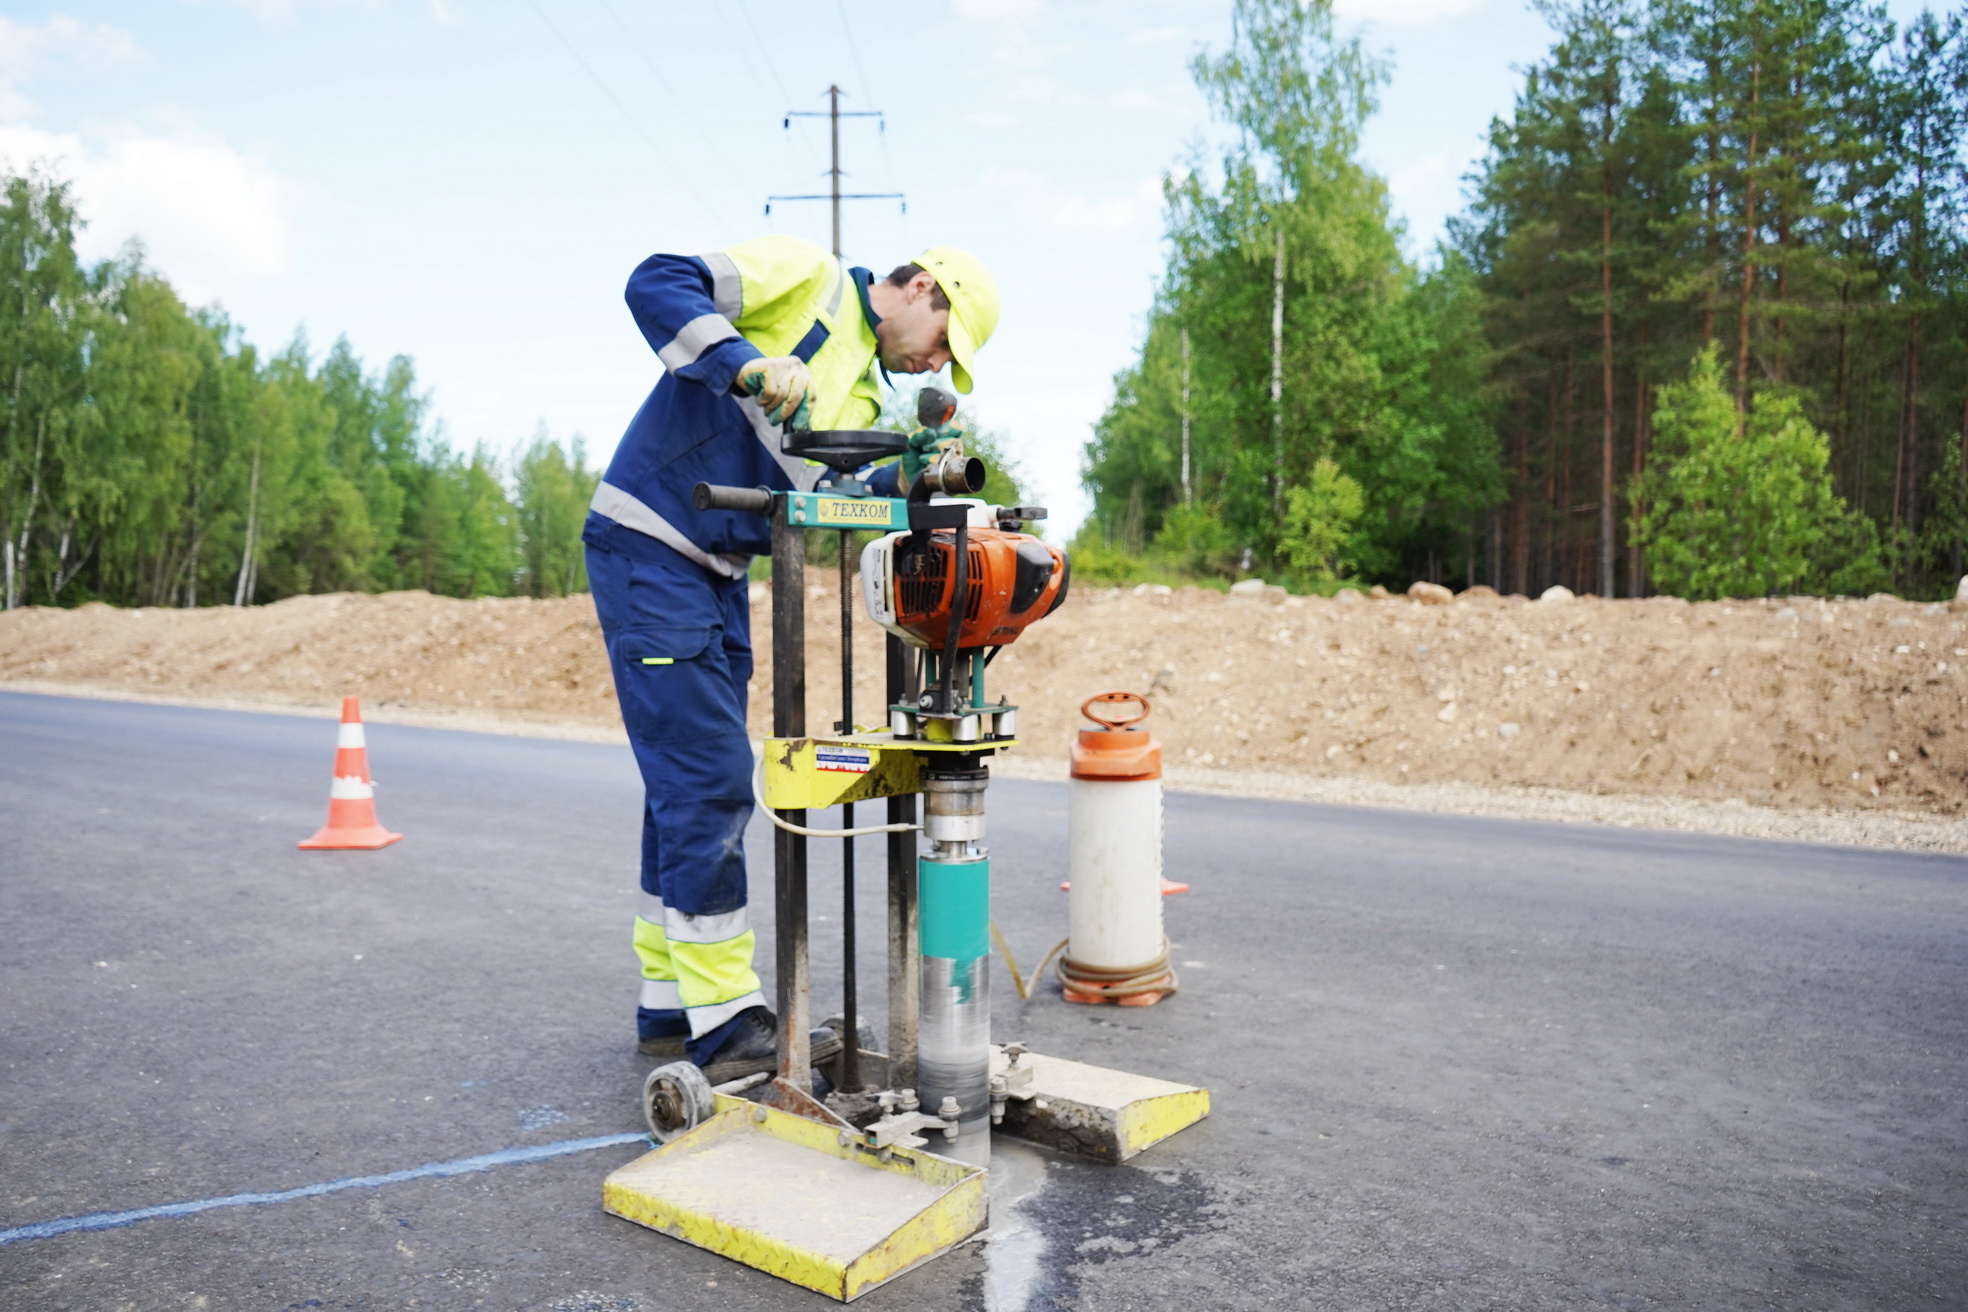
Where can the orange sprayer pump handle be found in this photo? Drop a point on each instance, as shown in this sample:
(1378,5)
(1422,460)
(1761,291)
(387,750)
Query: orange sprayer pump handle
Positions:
(1109,720)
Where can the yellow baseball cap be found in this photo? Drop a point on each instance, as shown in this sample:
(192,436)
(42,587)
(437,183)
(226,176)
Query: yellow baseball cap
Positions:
(973,297)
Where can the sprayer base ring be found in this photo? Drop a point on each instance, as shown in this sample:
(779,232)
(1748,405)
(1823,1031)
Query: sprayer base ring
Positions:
(1144,999)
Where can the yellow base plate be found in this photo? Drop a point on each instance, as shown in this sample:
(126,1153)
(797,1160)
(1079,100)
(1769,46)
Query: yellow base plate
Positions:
(780,1194)
(1090,1111)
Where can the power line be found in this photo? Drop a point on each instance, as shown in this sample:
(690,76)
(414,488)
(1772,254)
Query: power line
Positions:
(758,83)
(764,53)
(631,118)
(868,94)
(867,87)
(766,56)
(683,106)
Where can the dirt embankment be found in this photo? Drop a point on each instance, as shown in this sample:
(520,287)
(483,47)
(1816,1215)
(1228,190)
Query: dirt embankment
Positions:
(1805,701)
(1795,704)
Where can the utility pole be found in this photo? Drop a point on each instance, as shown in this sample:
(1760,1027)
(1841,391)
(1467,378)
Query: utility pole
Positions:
(834,194)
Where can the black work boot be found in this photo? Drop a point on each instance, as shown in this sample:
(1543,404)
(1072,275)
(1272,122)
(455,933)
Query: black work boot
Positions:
(667,1046)
(754,1047)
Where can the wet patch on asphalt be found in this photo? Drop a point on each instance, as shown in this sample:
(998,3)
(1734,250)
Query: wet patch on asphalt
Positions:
(1053,1217)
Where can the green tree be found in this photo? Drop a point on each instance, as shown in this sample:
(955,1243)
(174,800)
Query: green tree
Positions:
(1196,540)
(44,316)
(1743,513)
(467,543)
(148,358)
(1288,330)
(1925,123)
(1784,179)
(554,488)
(1319,523)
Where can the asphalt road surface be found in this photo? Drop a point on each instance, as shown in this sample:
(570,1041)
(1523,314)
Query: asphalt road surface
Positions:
(1458,1063)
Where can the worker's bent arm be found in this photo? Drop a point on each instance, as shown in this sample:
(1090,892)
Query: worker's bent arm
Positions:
(675,301)
(886,480)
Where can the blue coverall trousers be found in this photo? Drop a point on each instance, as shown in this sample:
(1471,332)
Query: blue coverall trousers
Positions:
(680,645)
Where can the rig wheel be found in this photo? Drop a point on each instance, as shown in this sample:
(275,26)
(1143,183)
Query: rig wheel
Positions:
(676,1098)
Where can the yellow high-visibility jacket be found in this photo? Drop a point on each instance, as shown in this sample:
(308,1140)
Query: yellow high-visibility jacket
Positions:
(706,316)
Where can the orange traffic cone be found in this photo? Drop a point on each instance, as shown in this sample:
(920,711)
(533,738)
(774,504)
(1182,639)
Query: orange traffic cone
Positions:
(352,796)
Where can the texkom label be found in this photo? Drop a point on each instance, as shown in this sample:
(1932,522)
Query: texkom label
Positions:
(847,760)
(843,510)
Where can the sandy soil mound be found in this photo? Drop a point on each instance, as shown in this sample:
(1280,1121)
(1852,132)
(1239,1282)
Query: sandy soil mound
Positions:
(500,657)
(1804,703)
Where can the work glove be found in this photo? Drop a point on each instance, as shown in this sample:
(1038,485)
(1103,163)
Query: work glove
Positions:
(783,387)
(925,445)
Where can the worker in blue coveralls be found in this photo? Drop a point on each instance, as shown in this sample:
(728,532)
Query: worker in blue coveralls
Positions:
(751,336)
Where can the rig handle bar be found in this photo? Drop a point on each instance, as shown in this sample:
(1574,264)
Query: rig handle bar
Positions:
(714,496)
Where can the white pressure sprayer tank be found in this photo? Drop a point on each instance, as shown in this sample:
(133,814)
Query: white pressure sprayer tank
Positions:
(1116,951)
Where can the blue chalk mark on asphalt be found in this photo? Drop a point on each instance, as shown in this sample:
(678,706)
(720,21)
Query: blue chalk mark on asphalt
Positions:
(462,1166)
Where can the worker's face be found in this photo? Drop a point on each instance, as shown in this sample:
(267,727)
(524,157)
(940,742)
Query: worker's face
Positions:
(914,338)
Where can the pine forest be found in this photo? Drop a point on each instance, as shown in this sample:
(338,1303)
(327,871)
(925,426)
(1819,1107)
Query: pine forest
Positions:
(1702,329)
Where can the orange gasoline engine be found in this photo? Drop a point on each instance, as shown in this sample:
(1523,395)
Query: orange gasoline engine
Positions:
(1009,580)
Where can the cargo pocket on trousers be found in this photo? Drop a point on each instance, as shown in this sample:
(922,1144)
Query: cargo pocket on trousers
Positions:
(678,683)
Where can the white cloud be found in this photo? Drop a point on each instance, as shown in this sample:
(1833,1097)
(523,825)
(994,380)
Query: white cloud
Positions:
(990,118)
(20,43)
(1012,179)
(23,47)
(1420,175)
(1037,89)
(1136,100)
(1076,213)
(1071,211)
(1402,13)
(1143,36)
(208,216)
(1007,28)
(280,11)
(268,11)
(1425,192)
(991,11)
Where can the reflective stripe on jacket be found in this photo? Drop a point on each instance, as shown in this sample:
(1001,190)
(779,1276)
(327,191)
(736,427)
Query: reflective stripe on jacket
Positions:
(705,316)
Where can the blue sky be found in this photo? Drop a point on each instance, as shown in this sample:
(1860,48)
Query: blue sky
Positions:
(469,182)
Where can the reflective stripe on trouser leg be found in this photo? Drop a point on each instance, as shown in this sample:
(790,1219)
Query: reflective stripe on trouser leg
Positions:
(659,1003)
(685,714)
(713,960)
(659,979)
